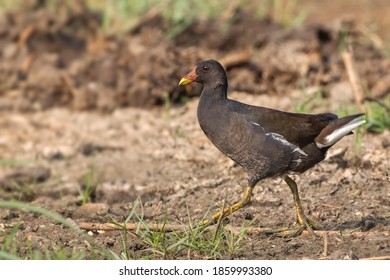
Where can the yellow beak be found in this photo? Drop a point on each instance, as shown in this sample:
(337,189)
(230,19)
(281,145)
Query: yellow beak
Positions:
(189,78)
(184,81)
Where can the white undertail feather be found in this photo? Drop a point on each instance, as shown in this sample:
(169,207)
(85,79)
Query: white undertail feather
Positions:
(339,133)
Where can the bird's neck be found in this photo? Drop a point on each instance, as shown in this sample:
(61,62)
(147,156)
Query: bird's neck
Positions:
(215,92)
(211,105)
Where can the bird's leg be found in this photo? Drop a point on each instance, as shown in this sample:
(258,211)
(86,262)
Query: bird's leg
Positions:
(246,198)
(303,221)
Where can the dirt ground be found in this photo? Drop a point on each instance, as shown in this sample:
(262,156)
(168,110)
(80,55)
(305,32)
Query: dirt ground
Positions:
(74,103)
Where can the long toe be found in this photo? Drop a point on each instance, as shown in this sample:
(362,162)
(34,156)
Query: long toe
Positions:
(309,228)
(275,231)
(286,232)
(290,232)
(308,224)
(313,224)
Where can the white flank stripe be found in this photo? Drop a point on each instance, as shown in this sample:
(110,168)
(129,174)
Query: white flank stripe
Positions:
(283,140)
(255,123)
(340,133)
(299,151)
(296,160)
(280,138)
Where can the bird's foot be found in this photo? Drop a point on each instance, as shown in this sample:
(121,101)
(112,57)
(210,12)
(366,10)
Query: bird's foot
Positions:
(302,221)
(217,217)
(302,224)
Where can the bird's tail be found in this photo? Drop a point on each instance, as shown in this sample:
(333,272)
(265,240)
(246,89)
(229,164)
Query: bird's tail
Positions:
(337,129)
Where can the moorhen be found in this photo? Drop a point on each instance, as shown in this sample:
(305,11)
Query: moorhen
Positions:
(265,142)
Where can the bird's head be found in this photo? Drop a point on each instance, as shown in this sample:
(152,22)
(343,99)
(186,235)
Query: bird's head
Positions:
(206,72)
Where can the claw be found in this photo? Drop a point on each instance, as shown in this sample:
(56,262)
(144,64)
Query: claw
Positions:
(289,232)
(303,223)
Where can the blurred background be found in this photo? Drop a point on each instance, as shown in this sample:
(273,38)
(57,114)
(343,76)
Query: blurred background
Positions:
(94,127)
(107,54)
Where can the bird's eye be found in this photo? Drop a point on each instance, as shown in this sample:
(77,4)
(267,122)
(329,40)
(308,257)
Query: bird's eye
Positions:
(205,68)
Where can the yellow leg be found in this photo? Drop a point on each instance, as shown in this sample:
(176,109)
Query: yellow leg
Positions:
(303,221)
(246,198)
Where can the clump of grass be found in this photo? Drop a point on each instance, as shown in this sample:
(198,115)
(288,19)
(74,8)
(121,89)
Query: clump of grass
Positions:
(192,240)
(58,253)
(88,187)
(159,244)
(8,248)
(378,117)
(377,113)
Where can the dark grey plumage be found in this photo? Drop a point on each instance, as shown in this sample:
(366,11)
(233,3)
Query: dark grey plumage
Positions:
(265,142)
